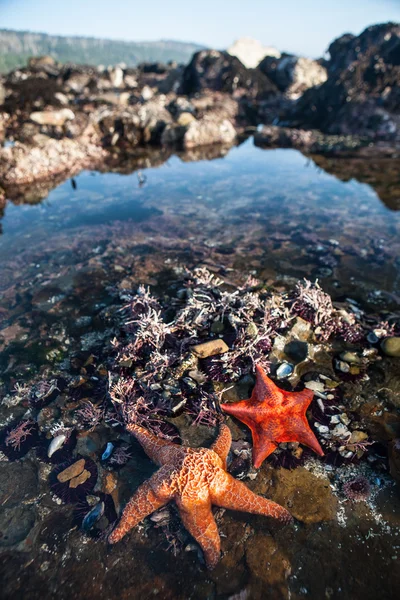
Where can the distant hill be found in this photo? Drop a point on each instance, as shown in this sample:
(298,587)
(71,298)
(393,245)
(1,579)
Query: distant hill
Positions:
(17,46)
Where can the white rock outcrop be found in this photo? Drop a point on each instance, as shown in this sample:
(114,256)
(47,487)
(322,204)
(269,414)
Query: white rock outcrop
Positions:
(250,52)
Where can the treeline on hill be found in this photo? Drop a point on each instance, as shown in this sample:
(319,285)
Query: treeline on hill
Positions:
(17,46)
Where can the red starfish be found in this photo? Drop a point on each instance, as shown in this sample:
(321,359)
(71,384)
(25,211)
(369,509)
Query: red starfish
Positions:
(195,478)
(274,416)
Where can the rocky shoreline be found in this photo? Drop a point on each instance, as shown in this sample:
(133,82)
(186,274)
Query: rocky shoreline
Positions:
(56,120)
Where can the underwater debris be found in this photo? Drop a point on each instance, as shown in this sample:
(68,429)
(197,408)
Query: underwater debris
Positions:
(120,456)
(18,435)
(90,414)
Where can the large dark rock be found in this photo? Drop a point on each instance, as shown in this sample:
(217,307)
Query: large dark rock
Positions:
(362,93)
(31,93)
(221,72)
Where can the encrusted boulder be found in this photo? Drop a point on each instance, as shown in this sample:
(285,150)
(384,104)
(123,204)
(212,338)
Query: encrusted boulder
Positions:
(362,92)
(293,75)
(41,61)
(23,165)
(208,131)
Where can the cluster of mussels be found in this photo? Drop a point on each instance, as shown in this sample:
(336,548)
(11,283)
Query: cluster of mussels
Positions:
(169,365)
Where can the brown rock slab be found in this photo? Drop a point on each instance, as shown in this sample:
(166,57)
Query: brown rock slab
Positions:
(72,471)
(84,476)
(269,566)
(211,348)
(307,497)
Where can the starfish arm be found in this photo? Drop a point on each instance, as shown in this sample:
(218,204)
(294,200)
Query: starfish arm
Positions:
(306,436)
(151,495)
(229,493)
(223,443)
(262,448)
(265,388)
(158,450)
(200,523)
(242,410)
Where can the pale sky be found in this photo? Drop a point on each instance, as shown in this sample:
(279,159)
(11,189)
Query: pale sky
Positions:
(300,26)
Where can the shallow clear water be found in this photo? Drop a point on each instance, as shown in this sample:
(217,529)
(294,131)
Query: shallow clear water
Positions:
(272,213)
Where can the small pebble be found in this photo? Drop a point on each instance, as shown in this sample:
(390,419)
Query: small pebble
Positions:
(210,348)
(345,419)
(351,357)
(391,346)
(315,386)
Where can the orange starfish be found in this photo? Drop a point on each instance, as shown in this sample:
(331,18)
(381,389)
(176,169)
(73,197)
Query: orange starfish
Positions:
(274,416)
(195,478)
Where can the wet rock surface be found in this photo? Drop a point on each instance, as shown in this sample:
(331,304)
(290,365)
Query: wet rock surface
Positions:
(293,75)
(360,95)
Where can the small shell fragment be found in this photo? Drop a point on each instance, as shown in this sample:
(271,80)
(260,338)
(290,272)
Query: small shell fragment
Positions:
(108,451)
(93,516)
(56,444)
(284,370)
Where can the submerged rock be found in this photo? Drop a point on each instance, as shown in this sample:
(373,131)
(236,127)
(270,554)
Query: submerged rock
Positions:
(309,498)
(52,117)
(15,524)
(391,346)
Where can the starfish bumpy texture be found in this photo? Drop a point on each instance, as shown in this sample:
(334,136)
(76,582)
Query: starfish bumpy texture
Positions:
(195,478)
(274,416)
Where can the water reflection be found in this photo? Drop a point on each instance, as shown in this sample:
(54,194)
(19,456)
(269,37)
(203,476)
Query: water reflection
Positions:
(273,212)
